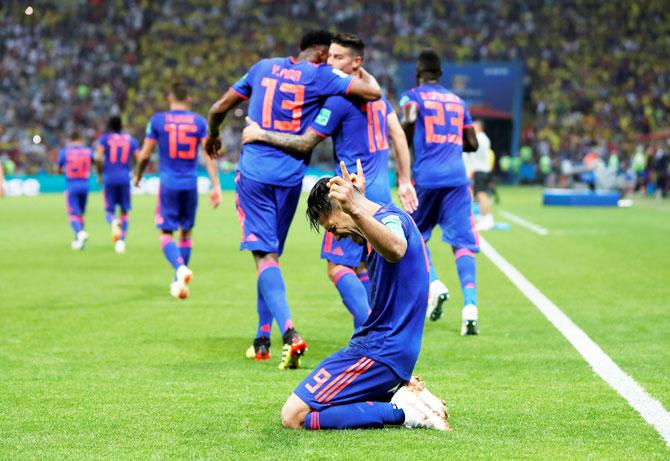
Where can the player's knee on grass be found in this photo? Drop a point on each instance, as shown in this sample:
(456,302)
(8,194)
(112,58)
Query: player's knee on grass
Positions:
(293,412)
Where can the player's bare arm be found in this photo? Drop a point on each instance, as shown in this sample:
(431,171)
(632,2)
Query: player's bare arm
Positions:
(470,143)
(365,87)
(406,191)
(299,144)
(143,159)
(99,158)
(213,172)
(408,120)
(217,113)
(388,244)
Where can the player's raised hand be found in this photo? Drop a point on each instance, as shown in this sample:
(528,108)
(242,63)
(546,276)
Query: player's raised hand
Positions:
(215,197)
(358,178)
(342,190)
(213,146)
(408,197)
(252,132)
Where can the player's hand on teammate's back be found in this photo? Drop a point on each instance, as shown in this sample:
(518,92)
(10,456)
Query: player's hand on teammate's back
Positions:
(408,197)
(215,197)
(342,189)
(252,132)
(213,145)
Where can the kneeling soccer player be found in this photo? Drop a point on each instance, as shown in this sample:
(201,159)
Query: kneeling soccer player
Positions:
(354,388)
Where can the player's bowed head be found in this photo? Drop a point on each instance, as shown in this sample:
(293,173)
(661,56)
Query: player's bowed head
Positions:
(338,205)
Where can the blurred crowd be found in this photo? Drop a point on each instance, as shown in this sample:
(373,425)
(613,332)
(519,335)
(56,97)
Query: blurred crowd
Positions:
(597,74)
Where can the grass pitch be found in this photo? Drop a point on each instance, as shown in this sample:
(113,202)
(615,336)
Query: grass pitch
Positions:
(98,361)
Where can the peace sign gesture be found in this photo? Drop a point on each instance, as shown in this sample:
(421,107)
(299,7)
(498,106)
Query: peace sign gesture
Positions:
(342,189)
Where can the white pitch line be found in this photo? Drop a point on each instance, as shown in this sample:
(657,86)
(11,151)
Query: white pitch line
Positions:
(650,409)
(522,222)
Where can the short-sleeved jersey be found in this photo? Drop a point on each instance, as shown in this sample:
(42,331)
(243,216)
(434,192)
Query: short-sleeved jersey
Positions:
(438,136)
(76,162)
(399,293)
(119,149)
(284,95)
(178,133)
(359,131)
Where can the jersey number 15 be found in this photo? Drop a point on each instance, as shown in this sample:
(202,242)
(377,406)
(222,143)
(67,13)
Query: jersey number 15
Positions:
(182,135)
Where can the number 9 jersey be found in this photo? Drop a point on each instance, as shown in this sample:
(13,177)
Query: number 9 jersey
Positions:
(284,95)
(438,136)
(178,133)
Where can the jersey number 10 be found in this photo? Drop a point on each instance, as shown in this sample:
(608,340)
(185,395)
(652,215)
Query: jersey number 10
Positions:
(455,111)
(180,136)
(377,138)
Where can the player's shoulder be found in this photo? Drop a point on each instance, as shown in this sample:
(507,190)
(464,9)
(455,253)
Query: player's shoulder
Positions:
(407,96)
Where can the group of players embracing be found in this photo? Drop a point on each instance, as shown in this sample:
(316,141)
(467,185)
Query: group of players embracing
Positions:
(376,253)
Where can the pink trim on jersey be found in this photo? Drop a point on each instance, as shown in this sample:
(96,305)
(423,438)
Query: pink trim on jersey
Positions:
(124,218)
(241,215)
(293,60)
(321,135)
(341,273)
(349,87)
(185,243)
(411,103)
(328,243)
(266,328)
(165,240)
(267,265)
(463,252)
(238,93)
(363,277)
(468,126)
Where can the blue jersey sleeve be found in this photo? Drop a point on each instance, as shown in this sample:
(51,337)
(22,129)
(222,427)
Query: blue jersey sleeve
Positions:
(202,127)
(134,145)
(331,82)
(243,87)
(92,151)
(467,119)
(101,141)
(152,128)
(61,158)
(407,98)
(330,116)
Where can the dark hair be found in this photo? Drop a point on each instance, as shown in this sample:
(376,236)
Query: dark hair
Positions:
(75,136)
(315,38)
(115,123)
(351,42)
(318,203)
(429,64)
(179,90)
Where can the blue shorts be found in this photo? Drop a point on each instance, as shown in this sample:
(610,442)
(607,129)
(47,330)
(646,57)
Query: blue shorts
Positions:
(450,207)
(345,251)
(116,195)
(345,377)
(176,208)
(75,201)
(265,213)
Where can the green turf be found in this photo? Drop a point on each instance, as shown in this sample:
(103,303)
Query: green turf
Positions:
(97,361)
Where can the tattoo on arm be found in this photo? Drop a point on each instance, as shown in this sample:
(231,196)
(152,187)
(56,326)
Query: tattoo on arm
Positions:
(299,144)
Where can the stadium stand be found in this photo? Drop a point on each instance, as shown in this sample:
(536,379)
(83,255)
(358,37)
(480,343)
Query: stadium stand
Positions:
(584,90)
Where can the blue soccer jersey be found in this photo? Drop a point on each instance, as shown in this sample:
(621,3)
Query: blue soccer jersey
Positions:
(399,295)
(359,131)
(438,136)
(76,163)
(119,149)
(284,95)
(178,133)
